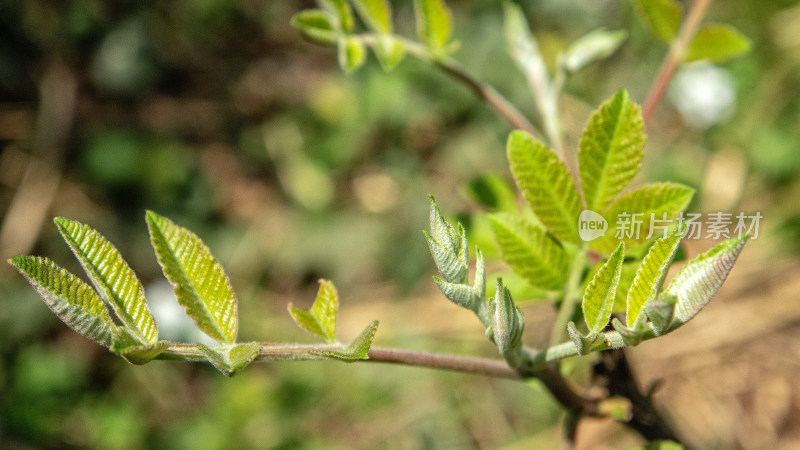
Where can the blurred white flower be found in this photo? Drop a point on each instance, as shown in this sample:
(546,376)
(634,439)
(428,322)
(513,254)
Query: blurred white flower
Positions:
(703,94)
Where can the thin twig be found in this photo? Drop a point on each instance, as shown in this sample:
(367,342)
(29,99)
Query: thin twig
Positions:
(467,364)
(674,57)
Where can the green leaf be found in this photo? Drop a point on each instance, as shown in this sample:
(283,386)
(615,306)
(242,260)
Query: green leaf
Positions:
(508,324)
(376,14)
(597,45)
(493,192)
(201,285)
(598,300)
(126,346)
(611,150)
(341,10)
(547,185)
(651,204)
(662,17)
(626,276)
(434,23)
(702,277)
(357,350)
(718,43)
(651,273)
(352,53)
(524,49)
(389,51)
(112,277)
(448,246)
(316,26)
(230,359)
(72,300)
(320,319)
(530,251)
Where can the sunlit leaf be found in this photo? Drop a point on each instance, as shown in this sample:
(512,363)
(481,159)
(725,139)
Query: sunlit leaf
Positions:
(320,319)
(389,51)
(448,246)
(316,26)
(547,185)
(651,273)
(598,300)
(230,359)
(530,251)
(718,43)
(611,150)
(358,349)
(200,283)
(352,53)
(376,14)
(72,300)
(702,277)
(662,17)
(112,277)
(434,23)
(341,10)
(597,45)
(134,352)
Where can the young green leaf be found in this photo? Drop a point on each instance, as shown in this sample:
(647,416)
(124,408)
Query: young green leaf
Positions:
(598,300)
(698,281)
(352,53)
(547,185)
(230,359)
(636,213)
(524,49)
(597,45)
(448,246)
(662,17)
(611,150)
(112,277)
(72,300)
(651,273)
(376,14)
(389,51)
(134,352)
(340,9)
(320,319)
(316,26)
(508,324)
(201,285)
(530,251)
(358,349)
(718,43)
(434,23)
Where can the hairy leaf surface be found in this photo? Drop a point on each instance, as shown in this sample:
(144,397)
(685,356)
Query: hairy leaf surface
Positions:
(200,283)
(358,349)
(230,359)
(611,150)
(651,274)
(112,277)
(320,319)
(547,185)
(530,251)
(72,300)
(598,300)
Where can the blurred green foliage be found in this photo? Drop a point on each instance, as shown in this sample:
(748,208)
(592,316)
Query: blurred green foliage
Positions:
(217,114)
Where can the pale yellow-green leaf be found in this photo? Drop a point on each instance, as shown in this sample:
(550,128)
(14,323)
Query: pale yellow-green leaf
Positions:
(112,277)
(320,319)
(352,53)
(717,42)
(546,184)
(376,14)
(598,300)
(662,17)
(341,10)
(651,274)
(230,359)
(611,150)
(434,23)
(597,45)
(316,26)
(72,300)
(200,283)
(358,349)
(389,51)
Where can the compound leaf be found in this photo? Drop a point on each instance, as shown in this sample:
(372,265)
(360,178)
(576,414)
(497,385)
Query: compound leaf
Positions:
(651,273)
(200,283)
(320,319)
(717,42)
(230,359)
(546,184)
(376,14)
(72,300)
(112,277)
(434,23)
(598,300)
(611,150)
(358,349)
(698,281)
(530,251)
(662,17)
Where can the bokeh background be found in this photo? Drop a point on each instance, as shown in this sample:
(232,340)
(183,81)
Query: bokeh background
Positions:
(216,114)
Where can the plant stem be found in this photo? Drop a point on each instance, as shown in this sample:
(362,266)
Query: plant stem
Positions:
(467,364)
(674,57)
(570,298)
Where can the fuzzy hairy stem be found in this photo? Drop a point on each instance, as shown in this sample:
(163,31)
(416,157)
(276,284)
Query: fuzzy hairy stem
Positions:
(674,57)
